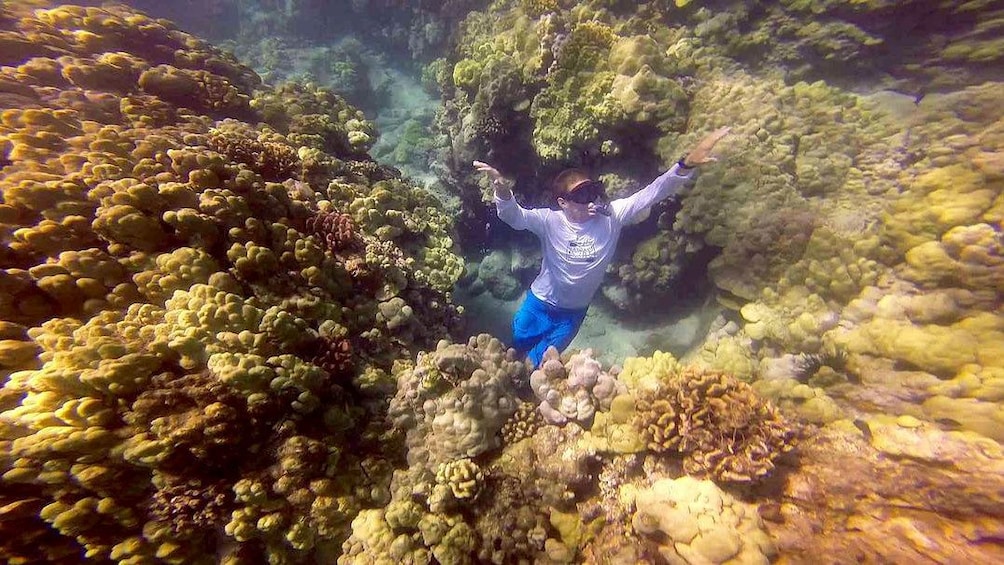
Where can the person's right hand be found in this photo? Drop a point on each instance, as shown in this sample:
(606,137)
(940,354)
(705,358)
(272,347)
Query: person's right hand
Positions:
(493,173)
(498,181)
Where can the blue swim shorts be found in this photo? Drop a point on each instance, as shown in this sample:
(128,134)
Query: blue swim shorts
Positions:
(538,325)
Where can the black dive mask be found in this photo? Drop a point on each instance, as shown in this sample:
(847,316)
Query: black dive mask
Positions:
(589,191)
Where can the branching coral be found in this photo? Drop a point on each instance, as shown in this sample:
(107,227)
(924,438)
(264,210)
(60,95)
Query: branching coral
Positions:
(522,424)
(189,505)
(335,356)
(335,229)
(457,482)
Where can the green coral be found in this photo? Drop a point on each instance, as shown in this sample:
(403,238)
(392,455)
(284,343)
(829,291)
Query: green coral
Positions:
(467,74)
(536,8)
(577,102)
(436,76)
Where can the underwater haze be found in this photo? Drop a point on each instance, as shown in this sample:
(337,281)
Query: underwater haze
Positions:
(256,303)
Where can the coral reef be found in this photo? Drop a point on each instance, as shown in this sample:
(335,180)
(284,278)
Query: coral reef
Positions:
(465,496)
(572,391)
(947,484)
(179,296)
(693,521)
(221,318)
(456,400)
(450,407)
(722,428)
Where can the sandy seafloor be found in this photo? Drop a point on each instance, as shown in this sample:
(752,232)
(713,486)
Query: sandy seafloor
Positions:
(611,340)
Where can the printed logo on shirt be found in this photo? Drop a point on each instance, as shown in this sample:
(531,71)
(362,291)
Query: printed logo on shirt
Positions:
(583,248)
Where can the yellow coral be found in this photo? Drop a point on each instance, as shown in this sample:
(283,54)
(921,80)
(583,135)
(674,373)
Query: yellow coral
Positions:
(466,73)
(970,255)
(694,521)
(462,476)
(935,348)
(647,373)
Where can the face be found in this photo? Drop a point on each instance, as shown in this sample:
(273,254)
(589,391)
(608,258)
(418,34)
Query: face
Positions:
(585,202)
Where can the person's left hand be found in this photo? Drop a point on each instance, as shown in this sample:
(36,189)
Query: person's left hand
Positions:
(701,153)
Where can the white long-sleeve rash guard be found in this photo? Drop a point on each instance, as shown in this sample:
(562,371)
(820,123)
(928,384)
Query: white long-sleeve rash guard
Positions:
(576,255)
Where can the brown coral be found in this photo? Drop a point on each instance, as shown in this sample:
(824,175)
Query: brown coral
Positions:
(202,419)
(192,504)
(273,160)
(761,252)
(25,537)
(511,526)
(198,89)
(334,355)
(337,230)
(656,418)
(719,425)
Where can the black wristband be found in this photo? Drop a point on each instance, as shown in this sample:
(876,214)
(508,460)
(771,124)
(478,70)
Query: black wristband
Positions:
(682,163)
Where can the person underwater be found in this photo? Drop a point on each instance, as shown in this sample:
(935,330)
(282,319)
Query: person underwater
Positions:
(578,242)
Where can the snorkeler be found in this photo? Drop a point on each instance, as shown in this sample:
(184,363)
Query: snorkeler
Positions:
(577,243)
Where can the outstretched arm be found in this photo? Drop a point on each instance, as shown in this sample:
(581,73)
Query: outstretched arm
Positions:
(701,153)
(509,211)
(672,181)
(502,190)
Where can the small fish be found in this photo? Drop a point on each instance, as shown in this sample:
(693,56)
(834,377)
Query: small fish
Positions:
(865,429)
